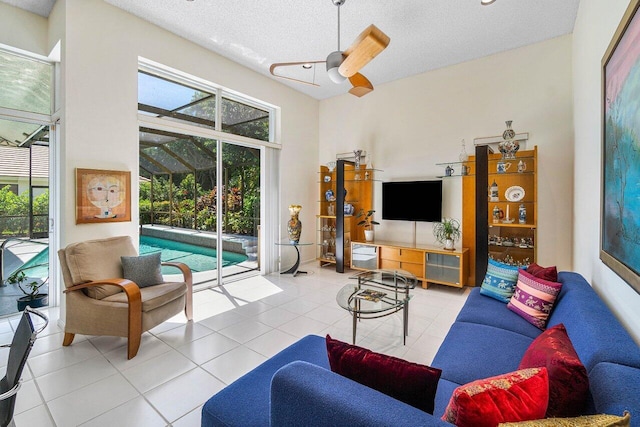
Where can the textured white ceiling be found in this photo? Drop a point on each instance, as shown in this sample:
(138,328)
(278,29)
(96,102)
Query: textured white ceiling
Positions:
(40,7)
(425,34)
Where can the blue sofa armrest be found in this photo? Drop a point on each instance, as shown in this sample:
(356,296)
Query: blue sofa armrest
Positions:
(306,394)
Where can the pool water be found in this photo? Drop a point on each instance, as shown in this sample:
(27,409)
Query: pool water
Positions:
(198,258)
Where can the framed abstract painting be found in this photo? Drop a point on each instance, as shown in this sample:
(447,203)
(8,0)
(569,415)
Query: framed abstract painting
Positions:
(620,215)
(102,196)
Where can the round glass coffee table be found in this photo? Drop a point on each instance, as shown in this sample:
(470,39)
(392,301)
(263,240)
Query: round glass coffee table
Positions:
(378,293)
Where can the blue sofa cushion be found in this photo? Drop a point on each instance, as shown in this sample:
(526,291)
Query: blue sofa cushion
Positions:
(596,334)
(616,388)
(251,391)
(443,395)
(487,311)
(303,394)
(472,351)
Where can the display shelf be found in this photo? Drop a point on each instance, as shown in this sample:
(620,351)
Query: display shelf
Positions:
(359,195)
(477,220)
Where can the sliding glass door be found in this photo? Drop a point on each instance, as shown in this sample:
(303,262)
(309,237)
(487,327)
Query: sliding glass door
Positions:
(200,171)
(24,212)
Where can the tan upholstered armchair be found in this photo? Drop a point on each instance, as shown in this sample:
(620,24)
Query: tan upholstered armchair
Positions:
(100,302)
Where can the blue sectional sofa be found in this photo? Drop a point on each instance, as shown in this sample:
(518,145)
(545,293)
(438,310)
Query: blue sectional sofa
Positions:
(296,386)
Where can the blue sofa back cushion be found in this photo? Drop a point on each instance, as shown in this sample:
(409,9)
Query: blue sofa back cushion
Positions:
(488,311)
(306,395)
(583,314)
(615,389)
(222,408)
(466,343)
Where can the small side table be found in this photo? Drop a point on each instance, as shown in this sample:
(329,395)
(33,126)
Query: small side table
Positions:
(294,269)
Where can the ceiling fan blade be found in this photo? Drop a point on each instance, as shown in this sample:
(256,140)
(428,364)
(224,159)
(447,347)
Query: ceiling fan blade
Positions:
(274,66)
(369,43)
(361,85)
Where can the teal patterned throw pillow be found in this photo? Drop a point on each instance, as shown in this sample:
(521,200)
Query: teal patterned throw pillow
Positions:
(500,281)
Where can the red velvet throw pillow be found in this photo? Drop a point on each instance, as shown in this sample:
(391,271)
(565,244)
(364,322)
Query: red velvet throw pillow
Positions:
(568,379)
(517,396)
(546,273)
(409,382)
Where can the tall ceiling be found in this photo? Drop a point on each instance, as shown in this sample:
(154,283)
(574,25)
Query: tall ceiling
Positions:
(425,34)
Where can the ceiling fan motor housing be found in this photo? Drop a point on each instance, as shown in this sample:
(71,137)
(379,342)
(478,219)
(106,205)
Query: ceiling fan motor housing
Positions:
(333,64)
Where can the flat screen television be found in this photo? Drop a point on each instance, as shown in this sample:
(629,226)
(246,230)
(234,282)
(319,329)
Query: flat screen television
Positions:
(412,200)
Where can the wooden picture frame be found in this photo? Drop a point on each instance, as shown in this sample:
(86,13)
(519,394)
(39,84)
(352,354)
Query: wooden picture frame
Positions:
(102,196)
(620,207)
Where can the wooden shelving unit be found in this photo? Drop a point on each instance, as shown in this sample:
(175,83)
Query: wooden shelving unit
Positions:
(486,236)
(337,228)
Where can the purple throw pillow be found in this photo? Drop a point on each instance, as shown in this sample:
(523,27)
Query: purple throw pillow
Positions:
(534,298)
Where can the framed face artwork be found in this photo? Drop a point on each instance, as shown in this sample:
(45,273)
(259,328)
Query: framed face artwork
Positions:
(102,196)
(620,214)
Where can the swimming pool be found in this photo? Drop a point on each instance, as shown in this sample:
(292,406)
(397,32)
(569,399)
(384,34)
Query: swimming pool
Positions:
(198,258)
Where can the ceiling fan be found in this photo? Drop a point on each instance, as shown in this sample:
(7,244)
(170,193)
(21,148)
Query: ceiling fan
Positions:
(345,65)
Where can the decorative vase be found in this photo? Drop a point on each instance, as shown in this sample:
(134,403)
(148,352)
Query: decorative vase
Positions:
(463,157)
(493,192)
(358,158)
(522,214)
(448,244)
(508,133)
(294,226)
(509,146)
(40,300)
(329,196)
(348,209)
(368,235)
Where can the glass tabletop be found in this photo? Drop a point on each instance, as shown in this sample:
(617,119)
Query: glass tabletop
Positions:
(387,278)
(377,291)
(292,244)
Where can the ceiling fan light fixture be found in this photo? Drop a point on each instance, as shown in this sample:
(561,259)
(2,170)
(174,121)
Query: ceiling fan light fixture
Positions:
(333,64)
(486,2)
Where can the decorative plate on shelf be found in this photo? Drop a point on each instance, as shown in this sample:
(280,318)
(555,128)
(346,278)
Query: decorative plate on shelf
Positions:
(514,194)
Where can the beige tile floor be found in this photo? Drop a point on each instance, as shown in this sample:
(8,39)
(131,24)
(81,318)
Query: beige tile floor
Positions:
(179,365)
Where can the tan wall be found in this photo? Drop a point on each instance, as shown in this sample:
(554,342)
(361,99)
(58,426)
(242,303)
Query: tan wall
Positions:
(411,124)
(594,29)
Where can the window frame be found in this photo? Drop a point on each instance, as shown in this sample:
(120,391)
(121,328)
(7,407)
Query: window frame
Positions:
(169,74)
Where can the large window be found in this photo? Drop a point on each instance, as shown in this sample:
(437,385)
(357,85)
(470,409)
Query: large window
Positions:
(26,83)
(160,97)
(26,95)
(200,166)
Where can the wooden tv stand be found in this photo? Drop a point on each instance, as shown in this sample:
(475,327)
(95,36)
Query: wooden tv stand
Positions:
(430,264)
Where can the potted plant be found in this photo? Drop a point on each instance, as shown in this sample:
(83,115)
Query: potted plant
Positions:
(32,297)
(447,232)
(368,223)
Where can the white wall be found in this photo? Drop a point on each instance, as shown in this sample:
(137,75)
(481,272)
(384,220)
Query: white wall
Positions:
(23,30)
(596,23)
(103,44)
(411,124)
